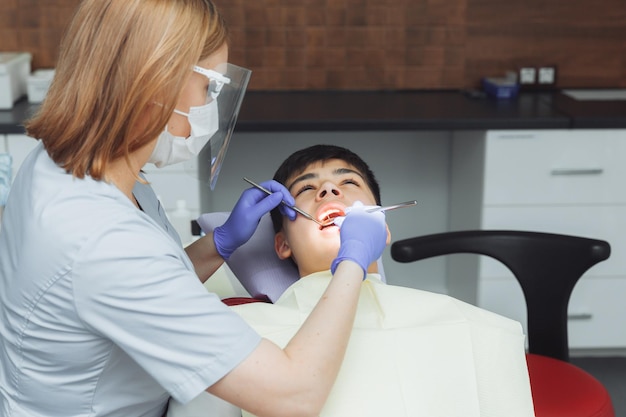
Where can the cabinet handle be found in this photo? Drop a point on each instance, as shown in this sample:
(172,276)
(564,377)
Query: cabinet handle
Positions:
(580,316)
(582,171)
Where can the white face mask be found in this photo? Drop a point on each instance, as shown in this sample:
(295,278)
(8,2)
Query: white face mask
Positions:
(170,149)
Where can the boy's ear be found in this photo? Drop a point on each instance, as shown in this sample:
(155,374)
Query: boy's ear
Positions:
(388,234)
(281,246)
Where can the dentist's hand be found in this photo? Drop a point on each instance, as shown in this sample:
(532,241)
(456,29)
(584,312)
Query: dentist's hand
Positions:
(363,237)
(245,216)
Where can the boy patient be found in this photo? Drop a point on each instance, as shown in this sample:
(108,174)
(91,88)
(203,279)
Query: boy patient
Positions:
(411,353)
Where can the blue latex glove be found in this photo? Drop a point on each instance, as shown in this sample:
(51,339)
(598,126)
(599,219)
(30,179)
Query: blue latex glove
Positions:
(245,216)
(363,237)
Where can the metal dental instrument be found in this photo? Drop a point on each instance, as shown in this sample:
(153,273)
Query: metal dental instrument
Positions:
(385,208)
(393,206)
(308,216)
(294,208)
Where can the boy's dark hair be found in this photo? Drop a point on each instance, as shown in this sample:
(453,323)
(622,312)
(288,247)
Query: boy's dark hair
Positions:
(298,161)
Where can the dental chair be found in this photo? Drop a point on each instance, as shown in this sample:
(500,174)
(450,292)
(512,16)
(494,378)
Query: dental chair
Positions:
(547,267)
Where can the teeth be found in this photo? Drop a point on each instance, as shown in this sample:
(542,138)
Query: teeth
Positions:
(328,217)
(330,214)
(327,224)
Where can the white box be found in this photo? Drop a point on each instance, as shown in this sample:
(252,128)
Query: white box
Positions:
(14,71)
(38,84)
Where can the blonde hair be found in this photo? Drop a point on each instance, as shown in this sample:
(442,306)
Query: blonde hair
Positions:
(118,58)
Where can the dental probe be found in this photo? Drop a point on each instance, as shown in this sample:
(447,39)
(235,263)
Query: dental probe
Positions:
(393,206)
(294,208)
(385,208)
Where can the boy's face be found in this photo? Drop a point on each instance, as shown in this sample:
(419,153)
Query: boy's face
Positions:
(324,190)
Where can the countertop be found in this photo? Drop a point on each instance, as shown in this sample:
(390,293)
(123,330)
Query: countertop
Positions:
(400,110)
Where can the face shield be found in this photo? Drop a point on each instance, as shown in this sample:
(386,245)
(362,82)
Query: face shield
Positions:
(227,87)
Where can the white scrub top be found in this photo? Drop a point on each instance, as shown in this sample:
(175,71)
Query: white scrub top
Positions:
(101,312)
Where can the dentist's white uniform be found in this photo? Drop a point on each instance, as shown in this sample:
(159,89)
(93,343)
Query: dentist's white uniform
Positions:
(101,312)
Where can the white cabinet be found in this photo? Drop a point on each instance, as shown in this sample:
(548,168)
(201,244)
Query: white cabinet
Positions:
(173,183)
(560,181)
(555,167)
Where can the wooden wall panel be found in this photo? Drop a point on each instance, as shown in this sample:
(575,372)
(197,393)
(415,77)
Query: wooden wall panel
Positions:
(35,26)
(384,44)
(585,39)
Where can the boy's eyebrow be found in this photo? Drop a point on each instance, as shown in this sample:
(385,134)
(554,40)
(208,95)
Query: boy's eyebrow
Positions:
(311,175)
(340,171)
(302,178)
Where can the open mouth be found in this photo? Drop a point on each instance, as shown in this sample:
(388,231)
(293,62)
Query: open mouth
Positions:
(328,218)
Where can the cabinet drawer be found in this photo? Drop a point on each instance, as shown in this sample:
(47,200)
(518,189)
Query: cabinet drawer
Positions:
(503,296)
(597,222)
(596,311)
(555,167)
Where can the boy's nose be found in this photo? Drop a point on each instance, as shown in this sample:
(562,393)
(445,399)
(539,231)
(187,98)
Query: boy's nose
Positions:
(328,188)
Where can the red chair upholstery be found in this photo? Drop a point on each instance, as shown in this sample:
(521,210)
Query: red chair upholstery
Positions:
(547,266)
(561,389)
(235,301)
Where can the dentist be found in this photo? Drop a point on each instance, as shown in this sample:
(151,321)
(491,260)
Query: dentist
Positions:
(102,312)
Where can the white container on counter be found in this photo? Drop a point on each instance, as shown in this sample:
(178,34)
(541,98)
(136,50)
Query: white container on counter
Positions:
(38,84)
(14,72)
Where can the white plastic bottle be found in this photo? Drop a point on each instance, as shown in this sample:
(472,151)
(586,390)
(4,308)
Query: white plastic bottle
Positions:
(181,220)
